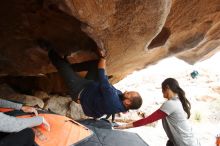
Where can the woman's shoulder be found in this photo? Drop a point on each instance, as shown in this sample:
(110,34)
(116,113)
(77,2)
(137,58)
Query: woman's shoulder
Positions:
(169,105)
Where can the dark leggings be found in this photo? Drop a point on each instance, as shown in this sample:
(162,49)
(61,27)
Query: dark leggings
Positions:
(90,66)
(24,137)
(74,82)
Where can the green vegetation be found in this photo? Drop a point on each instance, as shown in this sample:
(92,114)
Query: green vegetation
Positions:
(198,117)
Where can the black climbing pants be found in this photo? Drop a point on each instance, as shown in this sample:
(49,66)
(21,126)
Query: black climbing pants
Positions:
(74,82)
(24,137)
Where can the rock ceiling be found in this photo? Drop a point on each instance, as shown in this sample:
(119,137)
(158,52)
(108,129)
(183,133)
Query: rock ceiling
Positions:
(136,33)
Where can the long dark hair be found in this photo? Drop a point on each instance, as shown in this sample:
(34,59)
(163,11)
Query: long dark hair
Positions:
(174,86)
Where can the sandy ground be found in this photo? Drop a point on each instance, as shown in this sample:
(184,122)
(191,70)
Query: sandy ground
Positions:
(203,93)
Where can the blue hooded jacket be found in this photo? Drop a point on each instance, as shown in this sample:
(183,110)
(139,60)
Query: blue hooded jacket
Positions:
(100,98)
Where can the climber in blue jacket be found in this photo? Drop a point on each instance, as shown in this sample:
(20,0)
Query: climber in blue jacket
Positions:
(97,97)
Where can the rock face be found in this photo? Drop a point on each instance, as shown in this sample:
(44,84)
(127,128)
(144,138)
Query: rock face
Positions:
(136,33)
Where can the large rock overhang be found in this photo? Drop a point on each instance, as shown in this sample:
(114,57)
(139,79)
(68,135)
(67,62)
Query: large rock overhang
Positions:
(135,33)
